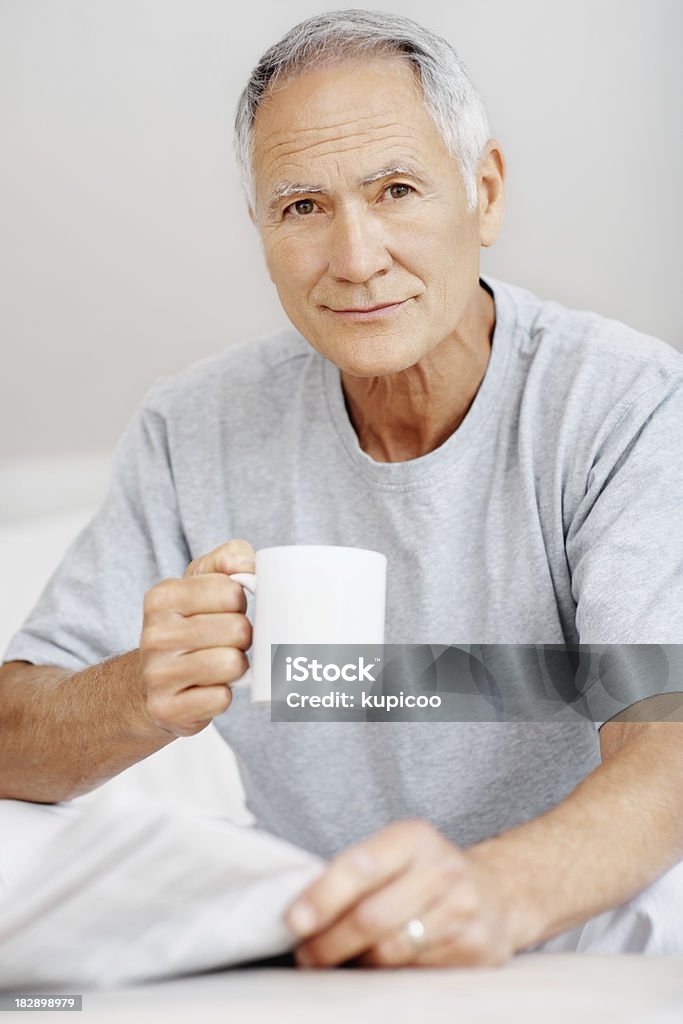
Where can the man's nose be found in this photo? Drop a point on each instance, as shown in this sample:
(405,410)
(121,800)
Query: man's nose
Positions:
(358,247)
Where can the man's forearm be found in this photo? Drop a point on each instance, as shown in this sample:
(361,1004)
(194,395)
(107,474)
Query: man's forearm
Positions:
(618,831)
(62,733)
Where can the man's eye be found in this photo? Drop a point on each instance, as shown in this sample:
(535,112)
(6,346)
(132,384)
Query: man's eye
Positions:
(301,208)
(398,191)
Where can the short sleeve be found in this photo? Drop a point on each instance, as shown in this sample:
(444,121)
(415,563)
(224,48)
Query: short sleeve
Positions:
(91,608)
(624,545)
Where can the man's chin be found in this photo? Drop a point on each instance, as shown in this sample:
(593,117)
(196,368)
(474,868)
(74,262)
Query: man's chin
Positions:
(373,358)
(374,369)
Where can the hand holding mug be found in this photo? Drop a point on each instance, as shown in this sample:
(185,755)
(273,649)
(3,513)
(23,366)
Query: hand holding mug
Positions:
(312,594)
(195,630)
(193,640)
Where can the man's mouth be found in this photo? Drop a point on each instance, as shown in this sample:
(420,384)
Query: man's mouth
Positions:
(376,312)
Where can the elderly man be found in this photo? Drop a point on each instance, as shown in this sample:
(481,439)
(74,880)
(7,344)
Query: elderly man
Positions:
(518,463)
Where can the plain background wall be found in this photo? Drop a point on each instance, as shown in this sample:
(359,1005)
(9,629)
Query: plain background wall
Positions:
(125,247)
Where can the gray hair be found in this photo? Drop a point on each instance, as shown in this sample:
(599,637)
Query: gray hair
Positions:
(449,95)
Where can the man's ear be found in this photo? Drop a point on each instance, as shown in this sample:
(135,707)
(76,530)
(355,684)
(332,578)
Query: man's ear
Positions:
(491,191)
(252,215)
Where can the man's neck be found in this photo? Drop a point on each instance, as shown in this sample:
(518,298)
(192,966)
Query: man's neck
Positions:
(405,415)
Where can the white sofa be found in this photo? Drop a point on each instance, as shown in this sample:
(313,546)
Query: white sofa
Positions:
(199,771)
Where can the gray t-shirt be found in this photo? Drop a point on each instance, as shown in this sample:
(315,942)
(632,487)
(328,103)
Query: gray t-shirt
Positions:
(553,514)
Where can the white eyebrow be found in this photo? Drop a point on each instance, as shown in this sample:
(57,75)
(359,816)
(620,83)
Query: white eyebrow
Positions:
(287,189)
(389,171)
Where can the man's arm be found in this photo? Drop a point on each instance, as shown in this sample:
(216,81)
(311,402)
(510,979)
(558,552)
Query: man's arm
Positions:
(66,733)
(619,830)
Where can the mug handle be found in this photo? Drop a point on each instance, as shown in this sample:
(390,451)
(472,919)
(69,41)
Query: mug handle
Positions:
(248,581)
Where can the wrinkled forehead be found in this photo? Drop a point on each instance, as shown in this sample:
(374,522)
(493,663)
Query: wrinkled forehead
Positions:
(339,108)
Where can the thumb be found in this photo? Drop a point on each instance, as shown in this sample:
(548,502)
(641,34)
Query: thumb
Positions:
(234,556)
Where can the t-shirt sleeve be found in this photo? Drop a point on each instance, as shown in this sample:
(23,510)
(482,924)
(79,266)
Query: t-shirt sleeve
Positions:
(91,608)
(625,542)
(624,548)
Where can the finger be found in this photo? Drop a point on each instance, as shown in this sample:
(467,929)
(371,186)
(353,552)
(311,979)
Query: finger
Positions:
(208,593)
(382,915)
(448,919)
(191,710)
(473,946)
(234,556)
(469,950)
(183,634)
(356,872)
(198,668)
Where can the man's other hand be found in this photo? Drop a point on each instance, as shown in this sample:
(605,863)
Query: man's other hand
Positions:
(360,907)
(193,640)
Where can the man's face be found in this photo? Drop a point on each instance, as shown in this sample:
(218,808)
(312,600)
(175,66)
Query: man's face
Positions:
(360,205)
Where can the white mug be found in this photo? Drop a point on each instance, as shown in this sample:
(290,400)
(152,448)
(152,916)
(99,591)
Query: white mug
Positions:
(312,594)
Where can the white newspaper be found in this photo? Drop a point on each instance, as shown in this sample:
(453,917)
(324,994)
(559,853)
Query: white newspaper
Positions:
(125,894)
